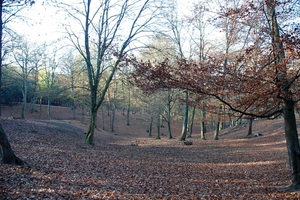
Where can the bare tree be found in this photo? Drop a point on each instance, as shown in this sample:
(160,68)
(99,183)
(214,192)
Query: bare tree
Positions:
(48,78)
(27,57)
(107,28)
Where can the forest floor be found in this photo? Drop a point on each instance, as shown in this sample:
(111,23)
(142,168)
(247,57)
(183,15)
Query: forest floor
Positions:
(128,164)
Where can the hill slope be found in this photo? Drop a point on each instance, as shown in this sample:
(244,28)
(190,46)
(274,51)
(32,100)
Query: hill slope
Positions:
(128,164)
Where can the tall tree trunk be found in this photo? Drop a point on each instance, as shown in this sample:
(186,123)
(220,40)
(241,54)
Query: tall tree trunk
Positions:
(202,130)
(292,141)
(89,139)
(250,126)
(203,124)
(40,114)
(169,115)
(94,105)
(73,95)
(102,117)
(192,121)
(169,119)
(185,118)
(218,126)
(291,134)
(158,126)
(96,120)
(149,129)
(113,110)
(217,130)
(128,108)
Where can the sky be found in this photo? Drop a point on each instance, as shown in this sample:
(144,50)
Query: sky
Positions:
(44,24)
(41,23)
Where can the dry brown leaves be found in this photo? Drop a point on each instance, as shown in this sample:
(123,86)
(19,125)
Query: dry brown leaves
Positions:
(63,167)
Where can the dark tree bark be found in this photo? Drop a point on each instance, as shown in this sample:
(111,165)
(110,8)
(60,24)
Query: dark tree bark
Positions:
(218,126)
(128,108)
(250,126)
(292,141)
(149,130)
(217,129)
(158,125)
(113,109)
(203,124)
(291,133)
(169,120)
(192,122)
(8,156)
(169,115)
(203,130)
(185,118)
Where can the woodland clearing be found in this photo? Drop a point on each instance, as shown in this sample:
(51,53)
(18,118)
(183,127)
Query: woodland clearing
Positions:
(127,164)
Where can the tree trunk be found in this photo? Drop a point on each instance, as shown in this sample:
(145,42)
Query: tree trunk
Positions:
(291,134)
(89,139)
(217,129)
(40,114)
(169,114)
(149,130)
(218,126)
(250,126)
(113,110)
(73,106)
(8,156)
(128,108)
(292,141)
(158,127)
(192,122)
(112,119)
(185,118)
(203,124)
(102,117)
(169,130)
(96,120)
(203,130)
(48,109)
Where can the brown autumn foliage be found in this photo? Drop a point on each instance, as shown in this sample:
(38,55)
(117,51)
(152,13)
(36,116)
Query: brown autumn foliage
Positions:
(249,78)
(127,164)
(259,79)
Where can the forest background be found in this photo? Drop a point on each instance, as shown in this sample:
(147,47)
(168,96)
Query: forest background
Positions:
(213,64)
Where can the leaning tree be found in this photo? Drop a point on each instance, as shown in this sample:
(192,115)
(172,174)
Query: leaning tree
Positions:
(261,78)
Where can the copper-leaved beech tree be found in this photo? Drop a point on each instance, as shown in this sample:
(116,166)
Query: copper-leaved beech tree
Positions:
(261,79)
(8,155)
